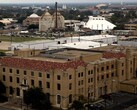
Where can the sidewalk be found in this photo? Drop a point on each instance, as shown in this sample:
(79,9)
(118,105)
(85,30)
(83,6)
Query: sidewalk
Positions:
(10,106)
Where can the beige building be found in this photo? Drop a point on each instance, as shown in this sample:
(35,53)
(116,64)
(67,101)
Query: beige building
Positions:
(68,74)
(48,21)
(32,19)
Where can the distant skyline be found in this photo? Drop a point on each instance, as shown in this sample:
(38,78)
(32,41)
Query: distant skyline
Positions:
(64,1)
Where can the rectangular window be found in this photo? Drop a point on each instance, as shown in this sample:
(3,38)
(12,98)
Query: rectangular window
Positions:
(4,69)
(40,74)
(112,74)
(17,71)
(17,80)
(91,79)
(102,68)
(102,77)
(70,86)
(32,82)
(112,66)
(58,77)
(32,73)
(70,76)
(4,78)
(107,75)
(58,87)
(10,70)
(48,75)
(78,74)
(107,67)
(48,84)
(10,79)
(25,73)
(40,84)
(122,72)
(89,72)
(81,74)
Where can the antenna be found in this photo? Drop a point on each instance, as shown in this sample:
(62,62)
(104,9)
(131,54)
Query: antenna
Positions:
(56,24)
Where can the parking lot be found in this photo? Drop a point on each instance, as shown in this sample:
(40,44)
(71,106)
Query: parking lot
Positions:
(119,101)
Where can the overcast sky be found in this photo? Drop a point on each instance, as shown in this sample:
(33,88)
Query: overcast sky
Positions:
(63,1)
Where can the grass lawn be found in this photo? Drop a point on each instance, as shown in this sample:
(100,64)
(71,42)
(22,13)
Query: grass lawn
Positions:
(18,39)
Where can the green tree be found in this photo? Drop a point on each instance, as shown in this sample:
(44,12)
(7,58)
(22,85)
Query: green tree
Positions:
(77,105)
(37,99)
(2,25)
(33,26)
(3,98)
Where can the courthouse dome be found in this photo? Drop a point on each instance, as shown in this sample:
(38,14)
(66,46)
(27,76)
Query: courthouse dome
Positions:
(33,15)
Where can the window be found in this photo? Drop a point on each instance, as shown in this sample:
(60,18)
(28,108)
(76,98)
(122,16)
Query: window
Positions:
(78,74)
(48,84)
(70,86)
(4,78)
(107,67)
(102,68)
(32,73)
(18,92)
(17,80)
(112,66)
(89,72)
(112,74)
(48,75)
(11,90)
(58,87)
(25,73)
(81,82)
(107,75)
(58,77)
(40,84)
(4,69)
(70,76)
(58,99)
(102,77)
(10,70)
(70,98)
(10,79)
(32,82)
(122,64)
(122,72)
(17,71)
(81,74)
(91,79)
(40,74)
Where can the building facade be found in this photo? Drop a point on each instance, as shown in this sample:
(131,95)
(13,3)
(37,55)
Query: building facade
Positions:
(48,21)
(67,75)
(32,19)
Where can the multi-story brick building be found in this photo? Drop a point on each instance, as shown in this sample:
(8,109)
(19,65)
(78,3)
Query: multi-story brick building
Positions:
(67,74)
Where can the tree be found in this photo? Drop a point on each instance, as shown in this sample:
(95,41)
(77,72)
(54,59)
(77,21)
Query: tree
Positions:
(2,92)
(2,25)
(77,105)
(33,26)
(37,99)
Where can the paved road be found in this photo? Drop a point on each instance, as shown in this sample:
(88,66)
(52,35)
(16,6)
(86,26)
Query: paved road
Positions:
(2,108)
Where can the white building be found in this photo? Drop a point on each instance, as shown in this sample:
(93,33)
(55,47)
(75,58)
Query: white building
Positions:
(99,23)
